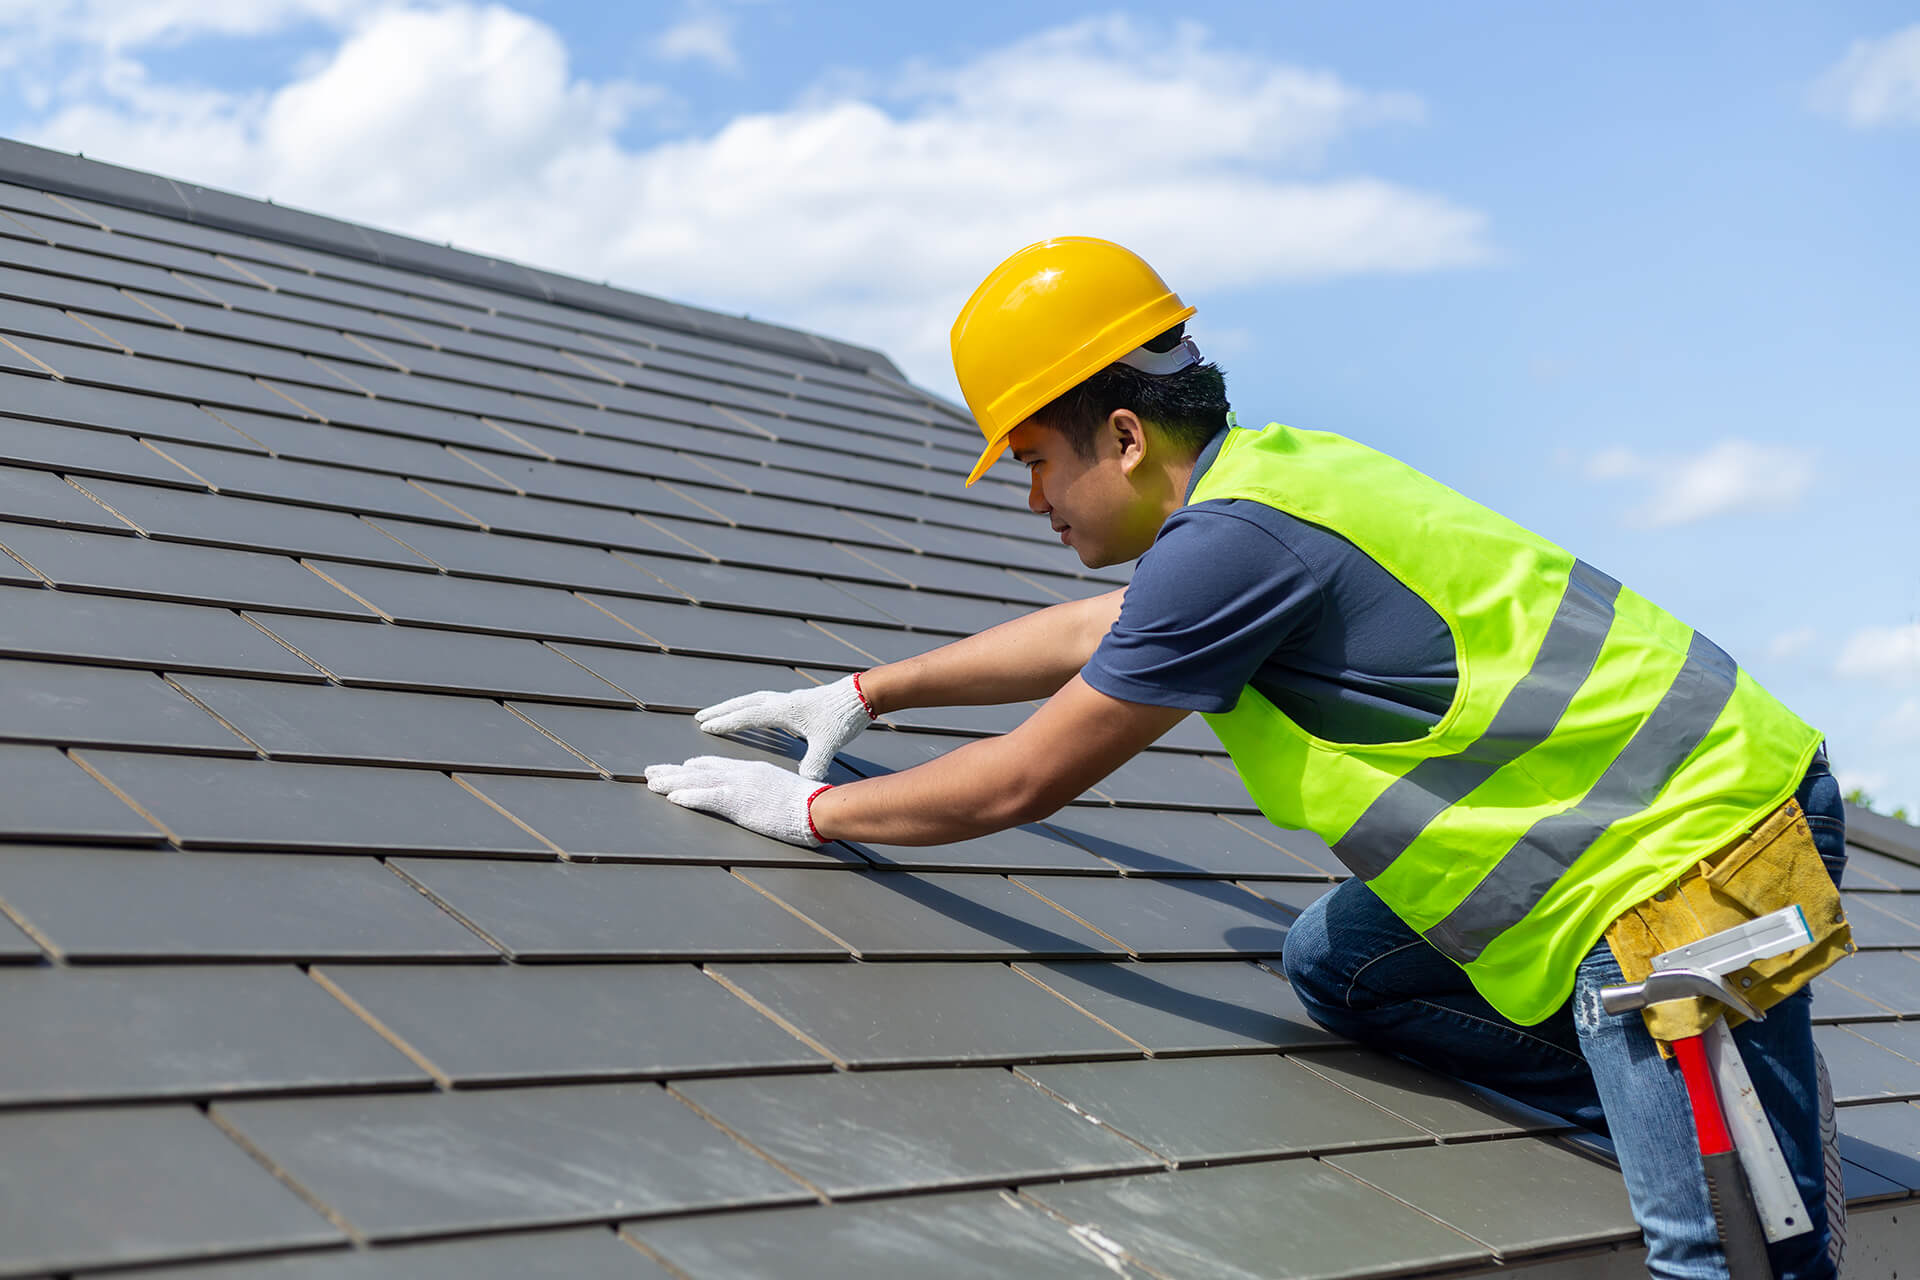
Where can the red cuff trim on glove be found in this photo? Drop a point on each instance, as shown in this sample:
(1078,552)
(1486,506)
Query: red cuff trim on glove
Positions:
(813,830)
(861,694)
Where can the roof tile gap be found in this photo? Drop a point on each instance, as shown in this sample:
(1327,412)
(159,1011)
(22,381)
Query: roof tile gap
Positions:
(26,926)
(679,493)
(224,722)
(1086,923)
(123,797)
(529,445)
(572,394)
(76,210)
(604,774)
(641,1247)
(84,323)
(339,586)
(890,575)
(628,625)
(1071,1004)
(265,1161)
(382,1029)
(409,332)
(255,623)
(795,912)
(33,231)
(156,311)
(338,376)
(29,568)
(242,272)
(755,427)
(312,414)
(703,554)
(904,544)
(593,368)
(202,290)
(441,903)
(767,1011)
(51,372)
(118,515)
(373,351)
(694,1107)
(415,484)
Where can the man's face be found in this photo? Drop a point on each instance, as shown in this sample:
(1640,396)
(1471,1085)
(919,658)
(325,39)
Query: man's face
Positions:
(1090,502)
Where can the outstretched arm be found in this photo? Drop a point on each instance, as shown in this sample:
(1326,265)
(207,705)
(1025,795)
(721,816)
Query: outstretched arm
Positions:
(1030,657)
(1079,737)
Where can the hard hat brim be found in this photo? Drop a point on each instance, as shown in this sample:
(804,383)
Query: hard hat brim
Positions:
(988,457)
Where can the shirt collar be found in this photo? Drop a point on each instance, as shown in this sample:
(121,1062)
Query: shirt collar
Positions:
(1208,453)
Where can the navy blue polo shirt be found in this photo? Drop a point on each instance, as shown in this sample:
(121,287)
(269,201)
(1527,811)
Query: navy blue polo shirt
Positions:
(1234,593)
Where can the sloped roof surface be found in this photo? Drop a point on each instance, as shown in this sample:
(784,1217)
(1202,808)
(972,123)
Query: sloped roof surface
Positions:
(351,582)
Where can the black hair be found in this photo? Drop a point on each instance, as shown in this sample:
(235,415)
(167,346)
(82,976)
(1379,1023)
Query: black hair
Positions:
(1188,406)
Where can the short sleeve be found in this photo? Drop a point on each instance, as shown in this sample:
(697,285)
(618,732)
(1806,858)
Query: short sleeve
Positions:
(1213,599)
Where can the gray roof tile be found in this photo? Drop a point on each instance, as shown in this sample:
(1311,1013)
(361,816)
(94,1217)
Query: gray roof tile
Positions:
(82,452)
(83,1189)
(416,658)
(1171,919)
(570,1022)
(135,566)
(48,797)
(854,1135)
(330,724)
(965,1235)
(100,706)
(562,912)
(883,1015)
(100,905)
(895,916)
(248,525)
(141,633)
(109,1034)
(1514,1197)
(44,498)
(1188,1007)
(1212,1110)
(259,804)
(400,1166)
(576,1253)
(1290,1218)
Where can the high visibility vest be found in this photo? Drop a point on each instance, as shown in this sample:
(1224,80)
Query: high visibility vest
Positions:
(1595,749)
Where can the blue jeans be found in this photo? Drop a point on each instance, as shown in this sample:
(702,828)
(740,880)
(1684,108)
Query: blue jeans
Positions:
(1365,975)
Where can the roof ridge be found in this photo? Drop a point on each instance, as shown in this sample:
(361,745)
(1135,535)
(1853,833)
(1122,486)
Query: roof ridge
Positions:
(75,175)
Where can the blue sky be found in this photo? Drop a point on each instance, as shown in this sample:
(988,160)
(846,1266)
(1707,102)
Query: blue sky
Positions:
(1642,277)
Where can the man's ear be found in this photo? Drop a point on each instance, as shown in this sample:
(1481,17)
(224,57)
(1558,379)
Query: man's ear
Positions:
(1129,436)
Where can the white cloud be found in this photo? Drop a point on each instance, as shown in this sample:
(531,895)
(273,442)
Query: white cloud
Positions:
(1882,653)
(1791,644)
(867,214)
(1877,83)
(700,37)
(1733,475)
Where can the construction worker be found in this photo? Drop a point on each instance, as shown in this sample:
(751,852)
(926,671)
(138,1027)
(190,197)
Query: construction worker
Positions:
(1538,777)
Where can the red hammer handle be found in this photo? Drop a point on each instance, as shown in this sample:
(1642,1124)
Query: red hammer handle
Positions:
(1741,1237)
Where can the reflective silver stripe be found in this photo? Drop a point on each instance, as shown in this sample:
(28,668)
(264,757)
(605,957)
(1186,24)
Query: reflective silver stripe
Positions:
(1651,757)
(1529,714)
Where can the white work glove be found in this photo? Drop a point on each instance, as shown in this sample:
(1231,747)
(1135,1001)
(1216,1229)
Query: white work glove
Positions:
(756,794)
(828,716)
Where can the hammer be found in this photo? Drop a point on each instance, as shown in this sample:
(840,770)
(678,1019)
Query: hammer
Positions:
(1748,1183)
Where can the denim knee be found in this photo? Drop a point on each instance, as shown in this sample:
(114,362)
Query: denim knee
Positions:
(1308,958)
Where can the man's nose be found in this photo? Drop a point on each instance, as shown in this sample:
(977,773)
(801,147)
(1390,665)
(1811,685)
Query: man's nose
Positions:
(1036,503)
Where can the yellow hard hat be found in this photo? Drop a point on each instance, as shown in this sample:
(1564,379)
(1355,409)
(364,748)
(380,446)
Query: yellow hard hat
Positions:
(1046,320)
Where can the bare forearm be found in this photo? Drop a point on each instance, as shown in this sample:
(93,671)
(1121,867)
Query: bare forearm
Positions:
(1029,657)
(959,796)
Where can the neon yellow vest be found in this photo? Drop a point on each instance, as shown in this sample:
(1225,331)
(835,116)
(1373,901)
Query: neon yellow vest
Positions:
(1596,746)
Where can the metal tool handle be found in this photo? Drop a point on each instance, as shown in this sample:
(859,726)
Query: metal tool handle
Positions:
(1741,1238)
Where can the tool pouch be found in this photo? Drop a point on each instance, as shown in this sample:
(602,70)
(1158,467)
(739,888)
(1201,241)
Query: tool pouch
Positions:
(1773,866)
